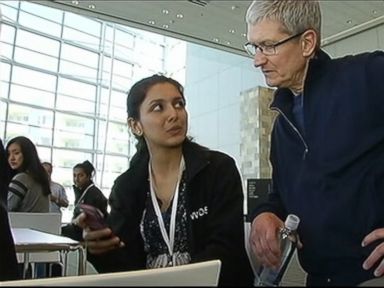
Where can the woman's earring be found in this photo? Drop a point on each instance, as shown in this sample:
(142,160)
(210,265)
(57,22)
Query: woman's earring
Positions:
(139,133)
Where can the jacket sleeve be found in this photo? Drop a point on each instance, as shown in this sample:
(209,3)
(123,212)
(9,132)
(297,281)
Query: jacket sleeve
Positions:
(223,237)
(16,192)
(123,219)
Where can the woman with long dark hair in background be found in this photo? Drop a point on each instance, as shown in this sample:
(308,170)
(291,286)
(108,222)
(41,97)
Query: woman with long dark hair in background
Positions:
(29,189)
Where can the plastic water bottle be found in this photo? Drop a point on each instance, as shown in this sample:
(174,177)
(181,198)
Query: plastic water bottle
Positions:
(269,276)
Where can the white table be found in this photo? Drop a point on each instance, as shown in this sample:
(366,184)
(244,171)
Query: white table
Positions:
(29,240)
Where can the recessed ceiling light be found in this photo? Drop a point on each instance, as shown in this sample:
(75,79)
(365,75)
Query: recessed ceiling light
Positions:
(244,35)
(216,39)
(171,21)
(165,26)
(165,11)
(374,12)
(232,31)
(180,16)
(228,43)
(91,6)
(74,2)
(234,7)
(151,22)
(349,21)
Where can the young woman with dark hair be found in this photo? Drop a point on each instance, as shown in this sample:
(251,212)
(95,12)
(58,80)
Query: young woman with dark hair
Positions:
(29,189)
(178,202)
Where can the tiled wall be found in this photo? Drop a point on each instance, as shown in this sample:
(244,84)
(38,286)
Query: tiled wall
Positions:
(256,121)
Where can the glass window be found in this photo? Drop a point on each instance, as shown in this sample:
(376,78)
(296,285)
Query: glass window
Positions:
(37,43)
(4,89)
(72,140)
(32,96)
(73,123)
(52,14)
(83,24)
(79,62)
(34,79)
(42,136)
(69,103)
(36,59)
(39,24)
(117,138)
(5,73)
(3,109)
(77,89)
(30,116)
(7,33)
(9,10)
(81,38)
(6,51)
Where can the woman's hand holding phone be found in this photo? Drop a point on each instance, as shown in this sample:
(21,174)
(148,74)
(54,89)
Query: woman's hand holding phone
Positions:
(99,238)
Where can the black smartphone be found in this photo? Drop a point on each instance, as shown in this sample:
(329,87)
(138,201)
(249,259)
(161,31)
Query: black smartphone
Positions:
(95,218)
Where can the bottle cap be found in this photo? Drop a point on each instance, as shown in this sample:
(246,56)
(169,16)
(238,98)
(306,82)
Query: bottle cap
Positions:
(292,222)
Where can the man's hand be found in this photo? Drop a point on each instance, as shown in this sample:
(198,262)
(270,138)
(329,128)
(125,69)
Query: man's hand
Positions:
(377,254)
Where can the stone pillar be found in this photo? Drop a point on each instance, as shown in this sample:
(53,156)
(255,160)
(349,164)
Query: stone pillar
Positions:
(256,125)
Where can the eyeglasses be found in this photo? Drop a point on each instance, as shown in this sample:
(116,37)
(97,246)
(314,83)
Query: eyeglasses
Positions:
(267,50)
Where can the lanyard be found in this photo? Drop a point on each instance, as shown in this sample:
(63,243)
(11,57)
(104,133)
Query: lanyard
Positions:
(82,195)
(168,239)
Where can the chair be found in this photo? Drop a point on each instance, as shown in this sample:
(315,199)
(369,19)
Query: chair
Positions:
(46,222)
(197,274)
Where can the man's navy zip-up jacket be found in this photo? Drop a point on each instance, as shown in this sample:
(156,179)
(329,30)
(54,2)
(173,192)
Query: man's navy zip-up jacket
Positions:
(332,174)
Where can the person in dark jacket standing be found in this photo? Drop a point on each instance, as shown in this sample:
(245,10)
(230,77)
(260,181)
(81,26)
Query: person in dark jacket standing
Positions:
(327,148)
(179,202)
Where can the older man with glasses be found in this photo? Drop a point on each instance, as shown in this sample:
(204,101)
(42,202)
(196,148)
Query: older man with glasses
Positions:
(327,150)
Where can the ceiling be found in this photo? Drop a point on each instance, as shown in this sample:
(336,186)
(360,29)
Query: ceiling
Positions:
(219,24)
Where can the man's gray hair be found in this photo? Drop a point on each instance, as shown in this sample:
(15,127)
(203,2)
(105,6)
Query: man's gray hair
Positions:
(295,16)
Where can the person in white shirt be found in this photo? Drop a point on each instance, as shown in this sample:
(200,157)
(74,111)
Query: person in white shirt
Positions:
(58,197)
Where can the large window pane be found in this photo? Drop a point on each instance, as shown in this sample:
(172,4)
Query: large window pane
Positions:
(7,38)
(73,131)
(83,24)
(82,31)
(4,77)
(39,24)
(79,62)
(41,18)
(76,95)
(76,89)
(36,59)
(30,116)
(37,43)
(9,10)
(33,79)
(52,14)
(38,135)
(32,96)
(7,33)
(3,109)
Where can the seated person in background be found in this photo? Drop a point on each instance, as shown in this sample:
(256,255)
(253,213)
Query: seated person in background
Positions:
(178,203)
(58,197)
(29,189)
(85,192)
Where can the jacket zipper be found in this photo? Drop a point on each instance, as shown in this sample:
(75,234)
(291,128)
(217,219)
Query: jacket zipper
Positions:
(295,129)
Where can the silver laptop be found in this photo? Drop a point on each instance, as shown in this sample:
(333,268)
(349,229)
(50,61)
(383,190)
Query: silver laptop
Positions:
(196,274)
